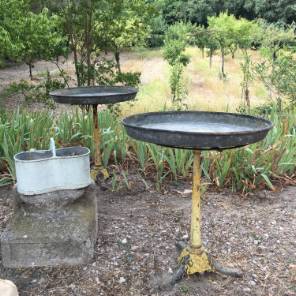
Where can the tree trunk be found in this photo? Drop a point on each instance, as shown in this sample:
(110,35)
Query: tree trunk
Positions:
(203,52)
(223,63)
(76,64)
(211,58)
(279,104)
(62,73)
(247,97)
(30,70)
(117,59)
(88,43)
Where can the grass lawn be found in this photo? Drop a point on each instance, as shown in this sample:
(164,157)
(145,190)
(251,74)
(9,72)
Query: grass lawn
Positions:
(206,91)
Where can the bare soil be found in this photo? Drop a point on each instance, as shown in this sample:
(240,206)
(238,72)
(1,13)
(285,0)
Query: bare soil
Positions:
(16,73)
(135,250)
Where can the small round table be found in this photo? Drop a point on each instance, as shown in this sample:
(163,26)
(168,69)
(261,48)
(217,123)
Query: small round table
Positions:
(197,131)
(94,96)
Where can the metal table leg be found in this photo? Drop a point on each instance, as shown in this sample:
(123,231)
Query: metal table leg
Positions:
(194,258)
(98,167)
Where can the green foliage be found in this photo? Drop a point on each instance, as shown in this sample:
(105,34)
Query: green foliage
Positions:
(28,36)
(121,24)
(103,26)
(11,13)
(246,169)
(222,29)
(198,11)
(36,93)
(283,11)
(176,40)
(248,77)
(255,166)
(5,42)
(274,37)
(246,33)
(177,86)
(194,11)
(158,28)
(283,76)
(278,76)
(230,34)
(201,38)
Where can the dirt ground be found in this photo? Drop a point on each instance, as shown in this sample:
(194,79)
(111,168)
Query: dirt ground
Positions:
(135,251)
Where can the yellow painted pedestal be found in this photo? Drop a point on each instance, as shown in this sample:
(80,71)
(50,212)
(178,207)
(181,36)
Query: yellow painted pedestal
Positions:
(98,167)
(195,259)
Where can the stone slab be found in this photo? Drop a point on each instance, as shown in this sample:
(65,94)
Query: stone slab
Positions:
(47,237)
(54,200)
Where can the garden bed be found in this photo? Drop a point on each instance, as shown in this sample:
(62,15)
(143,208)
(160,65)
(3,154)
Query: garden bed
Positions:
(137,232)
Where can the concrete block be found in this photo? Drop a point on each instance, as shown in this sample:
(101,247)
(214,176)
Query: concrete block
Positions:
(37,236)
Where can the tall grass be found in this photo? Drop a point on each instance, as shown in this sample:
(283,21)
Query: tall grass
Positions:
(245,169)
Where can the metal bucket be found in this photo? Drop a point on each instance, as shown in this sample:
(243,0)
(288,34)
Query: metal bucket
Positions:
(40,172)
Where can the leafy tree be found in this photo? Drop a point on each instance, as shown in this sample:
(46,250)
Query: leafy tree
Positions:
(274,37)
(39,38)
(246,33)
(158,29)
(95,26)
(284,76)
(78,22)
(279,76)
(5,42)
(204,38)
(212,45)
(193,11)
(277,70)
(29,36)
(11,14)
(283,11)
(176,40)
(121,25)
(200,38)
(222,29)
(240,8)
(197,11)
(248,77)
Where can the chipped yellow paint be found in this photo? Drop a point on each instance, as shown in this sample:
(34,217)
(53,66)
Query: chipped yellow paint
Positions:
(98,167)
(195,237)
(96,137)
(198,259)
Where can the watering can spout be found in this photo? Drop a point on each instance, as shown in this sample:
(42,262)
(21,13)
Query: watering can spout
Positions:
(52,147)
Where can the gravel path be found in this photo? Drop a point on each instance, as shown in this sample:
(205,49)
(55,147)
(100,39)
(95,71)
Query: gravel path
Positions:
(135,249)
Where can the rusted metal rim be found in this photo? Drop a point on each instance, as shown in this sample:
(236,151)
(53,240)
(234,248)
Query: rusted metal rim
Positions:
(94,95)
(226,130)
(130,122)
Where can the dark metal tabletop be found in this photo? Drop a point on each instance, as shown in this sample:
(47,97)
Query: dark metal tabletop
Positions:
(197,130)
(94,95)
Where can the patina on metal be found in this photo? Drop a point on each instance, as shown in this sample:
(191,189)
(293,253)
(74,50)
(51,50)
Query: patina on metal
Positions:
(197,131)
(94,96)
